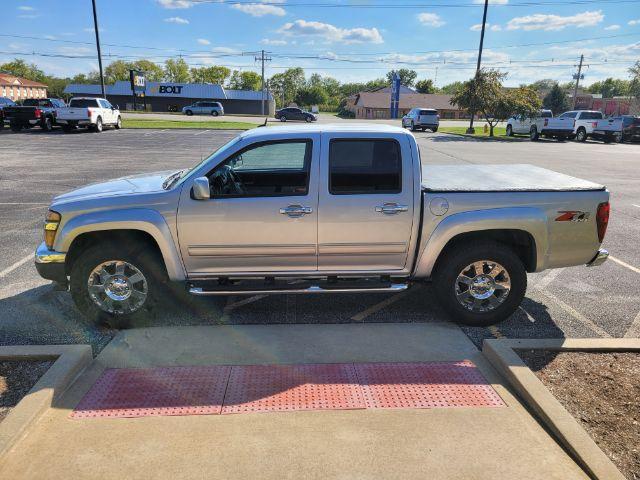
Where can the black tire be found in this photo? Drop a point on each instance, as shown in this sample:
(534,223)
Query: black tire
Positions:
(118,124)
(283,118)
(98,127)
(509,131)
(581,135)
(453,263)
(308,119)
(214,113)
(413,127)
(534,135)
(15,127)
(188,113)
(434,129)
(145,261)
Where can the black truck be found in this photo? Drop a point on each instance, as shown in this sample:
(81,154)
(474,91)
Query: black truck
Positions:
(33,112)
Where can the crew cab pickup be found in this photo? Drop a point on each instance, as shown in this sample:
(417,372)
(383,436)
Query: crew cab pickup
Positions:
(93,113)
(321,209)
(584,122)
(608,130)
(33,112)
(543,124)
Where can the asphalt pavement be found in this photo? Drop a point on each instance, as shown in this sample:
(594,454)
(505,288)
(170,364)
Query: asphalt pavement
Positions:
(571,302)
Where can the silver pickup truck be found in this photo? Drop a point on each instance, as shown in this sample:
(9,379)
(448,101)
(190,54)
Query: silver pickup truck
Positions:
(321,209)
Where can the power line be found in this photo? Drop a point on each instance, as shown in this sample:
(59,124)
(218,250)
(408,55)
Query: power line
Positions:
(407,5)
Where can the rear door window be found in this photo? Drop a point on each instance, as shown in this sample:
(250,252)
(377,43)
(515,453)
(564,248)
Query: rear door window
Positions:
(569,115)
(590,115)
(364,166)
(83,103)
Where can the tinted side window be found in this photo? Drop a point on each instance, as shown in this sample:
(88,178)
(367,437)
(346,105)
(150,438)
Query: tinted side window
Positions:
(569,115)
(364,166)
(590,116)
(83,103)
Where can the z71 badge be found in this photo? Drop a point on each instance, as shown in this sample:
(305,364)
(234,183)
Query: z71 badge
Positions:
(573,216)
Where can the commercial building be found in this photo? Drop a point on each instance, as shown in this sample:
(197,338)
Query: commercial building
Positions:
(608,106)
(171,97)
(17,88)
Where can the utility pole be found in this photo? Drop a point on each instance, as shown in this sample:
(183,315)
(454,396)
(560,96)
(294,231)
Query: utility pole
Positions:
(95,26)
(262,59)
(577,77)
(484,23)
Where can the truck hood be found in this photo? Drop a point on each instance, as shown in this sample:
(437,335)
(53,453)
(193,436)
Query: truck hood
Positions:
(136,184)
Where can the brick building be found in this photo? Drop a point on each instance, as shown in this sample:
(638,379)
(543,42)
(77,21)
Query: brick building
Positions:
(17,88)
(376,104)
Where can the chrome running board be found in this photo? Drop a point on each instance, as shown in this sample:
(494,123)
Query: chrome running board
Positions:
(394,287)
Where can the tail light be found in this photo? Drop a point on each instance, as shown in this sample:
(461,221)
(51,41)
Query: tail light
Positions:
(594,124)
(546,122)
(89,112)
(38,113)
(602,219)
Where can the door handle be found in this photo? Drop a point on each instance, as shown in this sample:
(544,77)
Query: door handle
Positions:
(391,208)
(295,211)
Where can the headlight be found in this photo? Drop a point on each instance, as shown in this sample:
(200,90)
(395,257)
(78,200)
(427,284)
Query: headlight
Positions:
(51,224)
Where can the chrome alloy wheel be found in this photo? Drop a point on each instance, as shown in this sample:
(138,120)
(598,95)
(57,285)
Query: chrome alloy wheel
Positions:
(117,287)
(482,286)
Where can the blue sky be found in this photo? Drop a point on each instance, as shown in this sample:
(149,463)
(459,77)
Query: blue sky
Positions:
(352,42)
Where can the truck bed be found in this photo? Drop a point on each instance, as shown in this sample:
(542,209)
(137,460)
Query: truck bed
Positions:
(500,178)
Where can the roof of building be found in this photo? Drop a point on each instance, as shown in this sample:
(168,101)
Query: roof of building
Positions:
(6,79)
(169,90)
(410,100)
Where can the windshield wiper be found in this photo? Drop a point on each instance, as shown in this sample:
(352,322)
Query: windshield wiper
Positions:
(171,179)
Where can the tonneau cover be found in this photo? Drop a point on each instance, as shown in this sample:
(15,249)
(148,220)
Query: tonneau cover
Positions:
(499,178)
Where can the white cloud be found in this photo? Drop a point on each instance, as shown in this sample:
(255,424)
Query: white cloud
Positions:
(540,21)
(25,8)
(260,9)
(331,33)
(178,20)
(93,30)
(478,26)
(634,22)
(430,19)
(203,41)
(268,41)
(612,27)
(175,4)
(496,28)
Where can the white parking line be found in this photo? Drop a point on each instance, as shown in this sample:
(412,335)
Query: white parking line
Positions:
(635,205)
(358,317)
(16,265)
(200,133)
(634,329)
(576,315)
(548,278)
(626,265)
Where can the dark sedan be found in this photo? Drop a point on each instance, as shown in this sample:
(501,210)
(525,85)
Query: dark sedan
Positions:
(294,113)
(630,128)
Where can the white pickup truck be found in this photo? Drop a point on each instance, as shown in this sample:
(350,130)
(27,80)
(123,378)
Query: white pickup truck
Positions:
(543,124)
(90,112)
(321,209)
(584,122)
(608,130)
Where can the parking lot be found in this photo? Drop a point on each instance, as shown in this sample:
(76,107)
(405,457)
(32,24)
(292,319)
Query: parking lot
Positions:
(572,302)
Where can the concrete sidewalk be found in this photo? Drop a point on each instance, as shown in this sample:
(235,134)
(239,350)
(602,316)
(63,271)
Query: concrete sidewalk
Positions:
(473,443)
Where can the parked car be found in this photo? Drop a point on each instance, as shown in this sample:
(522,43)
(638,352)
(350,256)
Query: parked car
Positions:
(630,129)
(421,119)
(542,124)
(584,121)
(326,209)
(608,130)
(294,113)
(93,113)
(204,108)
(4,102)
(42,112)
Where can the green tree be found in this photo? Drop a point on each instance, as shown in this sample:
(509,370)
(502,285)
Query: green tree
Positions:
(634,83)
(543,85)
(246,80)
(485,94)
(451,88)
(426,86)
(556,100)
(311,96)
(610,87)
(285,85)
(117,70)
(152,71)
(20,68)
(214,74)
(407,77)
(176,70)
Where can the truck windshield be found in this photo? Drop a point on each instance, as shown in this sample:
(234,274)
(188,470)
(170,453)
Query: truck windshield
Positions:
(83,103)
(34,102)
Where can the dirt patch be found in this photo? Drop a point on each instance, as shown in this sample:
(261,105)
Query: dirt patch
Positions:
(16,379)
(602,392)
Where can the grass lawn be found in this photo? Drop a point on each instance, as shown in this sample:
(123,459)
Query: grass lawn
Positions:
(498,132)
(213,125)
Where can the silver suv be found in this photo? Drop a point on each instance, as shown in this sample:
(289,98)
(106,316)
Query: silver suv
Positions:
(204,108)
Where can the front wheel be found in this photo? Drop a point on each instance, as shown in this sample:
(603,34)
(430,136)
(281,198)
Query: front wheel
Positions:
(308,119)
(215,113)
(115,287)
(434,129)
(118,124)
(581,135)
(509,131)
(283,118)
(480,284)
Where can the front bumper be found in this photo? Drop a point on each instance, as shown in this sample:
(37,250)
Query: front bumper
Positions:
(599,259)
(50,264)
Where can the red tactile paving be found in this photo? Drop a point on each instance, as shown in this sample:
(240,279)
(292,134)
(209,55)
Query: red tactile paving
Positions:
(146,392)
(425,385)
(278,388)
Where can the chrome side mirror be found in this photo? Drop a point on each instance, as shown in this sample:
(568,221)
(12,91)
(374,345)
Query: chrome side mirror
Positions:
(201,189)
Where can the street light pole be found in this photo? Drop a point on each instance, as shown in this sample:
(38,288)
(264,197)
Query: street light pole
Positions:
(95,26)
(484,23)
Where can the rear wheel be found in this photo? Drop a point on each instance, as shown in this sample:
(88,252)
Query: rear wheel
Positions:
(480,284)
(434,129)
(308,119)
(509,131)
(533,134)
(581,135)
(98,126)
(46,124)
(283,118)
(118,123)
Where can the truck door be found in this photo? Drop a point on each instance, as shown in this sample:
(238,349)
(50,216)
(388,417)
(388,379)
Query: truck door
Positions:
(366,203)
(262,214)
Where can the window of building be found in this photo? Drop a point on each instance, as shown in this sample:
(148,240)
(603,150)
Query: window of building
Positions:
(364,166)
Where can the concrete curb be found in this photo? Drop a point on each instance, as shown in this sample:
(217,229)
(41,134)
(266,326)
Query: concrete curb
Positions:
(502,355)
(70,361)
